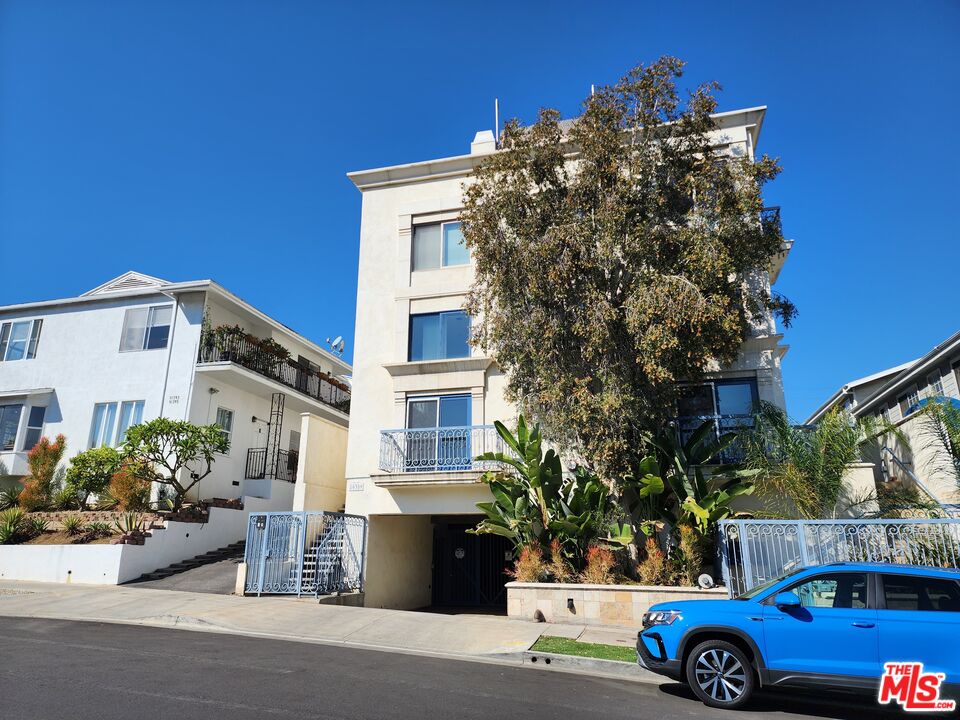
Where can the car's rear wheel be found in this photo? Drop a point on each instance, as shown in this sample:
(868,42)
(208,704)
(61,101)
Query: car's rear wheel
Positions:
(720,674)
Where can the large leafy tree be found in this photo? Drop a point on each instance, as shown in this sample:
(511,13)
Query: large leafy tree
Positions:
(615,256)
(173,452)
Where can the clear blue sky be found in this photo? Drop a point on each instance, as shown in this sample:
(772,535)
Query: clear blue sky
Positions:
(194,139)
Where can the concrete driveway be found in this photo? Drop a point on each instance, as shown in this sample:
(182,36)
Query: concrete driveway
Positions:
(217,578)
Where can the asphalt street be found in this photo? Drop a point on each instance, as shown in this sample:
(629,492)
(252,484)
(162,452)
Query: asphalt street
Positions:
(55,669)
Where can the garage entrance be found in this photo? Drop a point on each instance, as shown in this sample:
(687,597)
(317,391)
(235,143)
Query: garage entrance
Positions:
(469,570)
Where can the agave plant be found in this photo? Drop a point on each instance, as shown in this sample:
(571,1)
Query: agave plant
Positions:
(99,529)
(11,525)
(10,498)
(72,524)
(129,523)
(37,526)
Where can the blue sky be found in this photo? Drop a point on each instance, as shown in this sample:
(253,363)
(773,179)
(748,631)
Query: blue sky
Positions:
(210,139)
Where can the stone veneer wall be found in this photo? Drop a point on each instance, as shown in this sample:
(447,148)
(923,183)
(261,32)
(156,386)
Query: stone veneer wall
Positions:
(596,604)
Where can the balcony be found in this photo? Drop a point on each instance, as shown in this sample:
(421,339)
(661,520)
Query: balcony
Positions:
(284,466)
(722,425)
(271,360)
(433,450)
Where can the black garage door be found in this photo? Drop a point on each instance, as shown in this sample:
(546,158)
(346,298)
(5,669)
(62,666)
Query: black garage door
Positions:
(469,570)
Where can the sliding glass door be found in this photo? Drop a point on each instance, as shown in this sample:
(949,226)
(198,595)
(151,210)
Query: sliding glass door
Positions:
(438,433)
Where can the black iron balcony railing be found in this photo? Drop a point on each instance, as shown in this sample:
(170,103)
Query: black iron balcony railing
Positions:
(262,358)
(284,465)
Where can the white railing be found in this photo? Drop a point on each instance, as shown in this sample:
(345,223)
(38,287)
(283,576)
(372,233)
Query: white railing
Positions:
(438,449)
(756,551)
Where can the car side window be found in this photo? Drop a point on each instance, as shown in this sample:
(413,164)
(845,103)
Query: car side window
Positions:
(910,592)
(833,590)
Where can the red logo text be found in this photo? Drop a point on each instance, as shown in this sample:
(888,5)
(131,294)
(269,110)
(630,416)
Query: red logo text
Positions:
(913,689)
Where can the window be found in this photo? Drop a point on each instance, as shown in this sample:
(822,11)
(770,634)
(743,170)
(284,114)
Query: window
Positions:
(936,383)
(439,245)
(146,328)
(836,590)
(225,422)
(131,413)
(438,336)
(34,427)
(908,403)
(956,374)
(18,340)
(441,437)
(9,424)
(731,404)
(908,592)
(105,430)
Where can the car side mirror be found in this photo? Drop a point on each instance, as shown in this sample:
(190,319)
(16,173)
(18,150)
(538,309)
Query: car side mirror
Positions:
(786,600)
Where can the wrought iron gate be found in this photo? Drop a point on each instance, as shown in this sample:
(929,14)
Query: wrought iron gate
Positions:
(314,553)
(755,551)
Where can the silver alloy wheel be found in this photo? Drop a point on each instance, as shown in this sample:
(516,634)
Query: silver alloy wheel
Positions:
(720,675)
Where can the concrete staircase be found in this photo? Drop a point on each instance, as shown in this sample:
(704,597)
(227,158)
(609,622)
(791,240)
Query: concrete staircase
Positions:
(225,553)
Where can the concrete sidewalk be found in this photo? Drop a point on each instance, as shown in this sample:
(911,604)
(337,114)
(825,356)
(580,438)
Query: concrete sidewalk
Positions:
(287,618)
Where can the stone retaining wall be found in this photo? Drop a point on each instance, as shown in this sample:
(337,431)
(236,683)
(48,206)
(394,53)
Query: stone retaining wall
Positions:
(596,604)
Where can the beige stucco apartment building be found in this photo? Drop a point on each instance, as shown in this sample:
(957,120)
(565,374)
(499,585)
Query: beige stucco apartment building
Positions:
(915,458)
(424,402)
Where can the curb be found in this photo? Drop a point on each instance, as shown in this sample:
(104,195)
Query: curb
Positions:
(589,666)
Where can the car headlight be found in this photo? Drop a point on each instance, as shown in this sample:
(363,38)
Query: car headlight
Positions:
(660,617)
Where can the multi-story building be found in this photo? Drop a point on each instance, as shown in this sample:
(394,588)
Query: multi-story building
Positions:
(424,401)
(912,456)
(137,348)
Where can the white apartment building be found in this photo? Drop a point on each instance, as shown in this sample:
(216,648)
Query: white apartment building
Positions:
(138,347)
(424,401)
(896,395)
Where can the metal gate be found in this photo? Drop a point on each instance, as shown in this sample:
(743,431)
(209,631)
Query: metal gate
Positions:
(314,553)
(756,551)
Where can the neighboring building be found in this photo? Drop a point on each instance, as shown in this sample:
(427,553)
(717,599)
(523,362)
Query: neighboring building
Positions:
(138,347)
(896,395)
(424,402)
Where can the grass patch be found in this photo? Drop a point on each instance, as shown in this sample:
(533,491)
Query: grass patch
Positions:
(565,646)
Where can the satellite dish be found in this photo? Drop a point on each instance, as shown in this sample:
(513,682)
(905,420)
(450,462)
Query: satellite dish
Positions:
(336,344)
(705,581)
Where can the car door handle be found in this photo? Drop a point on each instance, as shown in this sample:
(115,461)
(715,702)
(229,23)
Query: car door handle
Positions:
(861,624)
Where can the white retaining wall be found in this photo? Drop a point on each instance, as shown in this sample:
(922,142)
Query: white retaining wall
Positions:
(115,564)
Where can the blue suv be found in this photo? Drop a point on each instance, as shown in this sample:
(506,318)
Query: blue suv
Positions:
(830,626)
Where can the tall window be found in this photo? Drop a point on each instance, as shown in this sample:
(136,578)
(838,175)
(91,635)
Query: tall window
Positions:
(438,336)
(34,427)
(18,340)
(9,423)
(730,404)
(107,429)
(908,403)
(439,437)
(146,328)
(131,413)
(936,383)
(439,245)
(225,422)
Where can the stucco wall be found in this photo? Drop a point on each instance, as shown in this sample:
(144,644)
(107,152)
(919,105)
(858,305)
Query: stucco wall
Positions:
(321,480)
(622,605)
(398,567)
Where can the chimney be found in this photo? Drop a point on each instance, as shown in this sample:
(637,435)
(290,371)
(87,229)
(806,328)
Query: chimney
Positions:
(483,143)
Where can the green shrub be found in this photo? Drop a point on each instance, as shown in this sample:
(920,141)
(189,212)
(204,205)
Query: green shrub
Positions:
(72,524)
(10,498)
(11,526)
(65,499)
(36,526)
(90,472)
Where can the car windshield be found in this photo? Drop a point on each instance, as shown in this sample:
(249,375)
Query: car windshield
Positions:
(759,589)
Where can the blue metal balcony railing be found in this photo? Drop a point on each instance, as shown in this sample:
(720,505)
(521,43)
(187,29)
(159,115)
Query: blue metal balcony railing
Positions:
(722,424)
(438,449)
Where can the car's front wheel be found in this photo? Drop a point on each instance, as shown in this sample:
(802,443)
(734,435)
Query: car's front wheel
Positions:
(720,674)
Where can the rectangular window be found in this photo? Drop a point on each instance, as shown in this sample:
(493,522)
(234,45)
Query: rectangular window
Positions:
(146,328)
(131,413)
(101,427)
(935,382)
(439,336)
(225,422)
(729,404)
(439,433)
(18,340)
(908,403)
(907,592)
(439,245)
(9,424)
(34,427)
